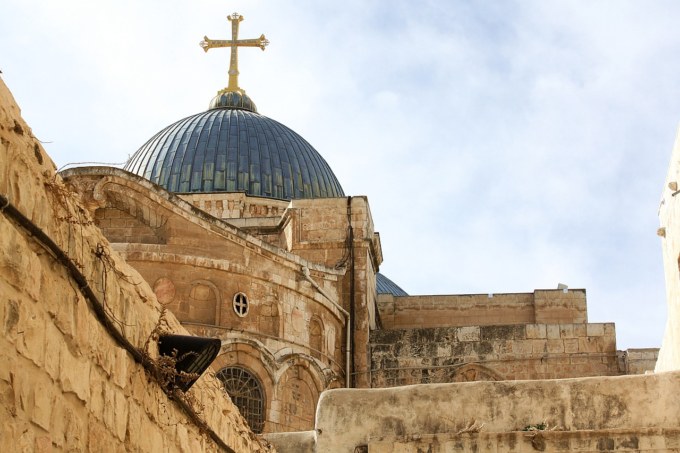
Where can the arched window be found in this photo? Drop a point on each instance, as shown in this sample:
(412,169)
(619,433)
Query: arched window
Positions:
(246,393)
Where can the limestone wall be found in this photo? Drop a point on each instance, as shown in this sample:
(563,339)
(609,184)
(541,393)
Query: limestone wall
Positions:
(455,354)
(639,360)
(669,231)
(539,307)
(625,413)
(66,382)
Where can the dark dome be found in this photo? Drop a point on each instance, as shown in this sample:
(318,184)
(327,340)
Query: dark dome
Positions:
(234,150)
(386,286)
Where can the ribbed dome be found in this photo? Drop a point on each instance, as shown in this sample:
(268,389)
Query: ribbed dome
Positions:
(386,286)
(234,150)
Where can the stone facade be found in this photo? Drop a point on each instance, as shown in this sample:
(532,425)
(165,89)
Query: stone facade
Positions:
(540,307)
(498,352)
(307,266)
(669,232)
(301,270)
(290,290)
(539,335)
(67,381)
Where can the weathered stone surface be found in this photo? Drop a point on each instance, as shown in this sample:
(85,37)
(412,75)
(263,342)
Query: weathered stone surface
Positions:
(669,218)
(616,407)
(64,382)
(532,351)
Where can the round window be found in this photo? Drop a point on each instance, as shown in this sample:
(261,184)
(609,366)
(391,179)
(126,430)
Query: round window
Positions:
(240,304)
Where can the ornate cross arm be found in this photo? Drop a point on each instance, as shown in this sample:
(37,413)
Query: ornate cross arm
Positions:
(234,43)
(208,43)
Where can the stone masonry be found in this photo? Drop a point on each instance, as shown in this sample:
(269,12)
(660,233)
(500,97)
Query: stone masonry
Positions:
(66,383)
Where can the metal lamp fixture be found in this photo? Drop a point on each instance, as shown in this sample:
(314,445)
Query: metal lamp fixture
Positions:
(193,356)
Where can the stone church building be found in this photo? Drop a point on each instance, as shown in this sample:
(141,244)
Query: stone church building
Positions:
(245,234)
(229,225)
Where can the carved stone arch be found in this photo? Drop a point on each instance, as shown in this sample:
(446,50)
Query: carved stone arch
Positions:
(200,303)
(252,353)
(252,356)
(470,372)
(108,193)
(98,193)
(307,362)
(298,389)
(333,379)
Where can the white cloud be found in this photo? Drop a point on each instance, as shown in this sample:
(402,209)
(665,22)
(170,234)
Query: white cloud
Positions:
(503,146)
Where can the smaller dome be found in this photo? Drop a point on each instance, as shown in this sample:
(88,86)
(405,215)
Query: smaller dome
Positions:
(386,286)
(233,100)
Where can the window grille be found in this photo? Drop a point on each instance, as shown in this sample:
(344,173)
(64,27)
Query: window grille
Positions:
(246,393)
(240,304)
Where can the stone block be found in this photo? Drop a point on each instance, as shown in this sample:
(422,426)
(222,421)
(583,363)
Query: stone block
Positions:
(588,344)
(570,345)
(539,346)
(31,342)
(151,439)
(8,360)
(555,346)
(467,333)
(579,330)
(522,347)
(134,426)
(44,395)
(552,331)
(74,424)
(536,331)
(74,373)
(120,415)
(595,330)
(43,444)
(98,437)
(97,401)
(566,331)
(609,329)
(443,350)
(53,340)
(121,363)
(182,439)
(509,332)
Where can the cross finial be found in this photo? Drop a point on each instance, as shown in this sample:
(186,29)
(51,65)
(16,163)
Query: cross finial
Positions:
(234,43)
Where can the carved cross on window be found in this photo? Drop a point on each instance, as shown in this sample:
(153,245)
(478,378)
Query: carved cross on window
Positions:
(240,304)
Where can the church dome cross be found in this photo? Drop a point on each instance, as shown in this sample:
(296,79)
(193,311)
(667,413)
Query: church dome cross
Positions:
(234,43)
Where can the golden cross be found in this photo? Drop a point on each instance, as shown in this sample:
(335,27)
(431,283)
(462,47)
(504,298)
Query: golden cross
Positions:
(234,43)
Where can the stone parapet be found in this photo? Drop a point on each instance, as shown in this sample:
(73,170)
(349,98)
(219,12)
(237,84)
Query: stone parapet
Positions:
(639,361)
(621,440)
(502,352)
(626,413)
(541,307)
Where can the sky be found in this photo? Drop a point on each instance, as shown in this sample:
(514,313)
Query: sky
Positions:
(504,146)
